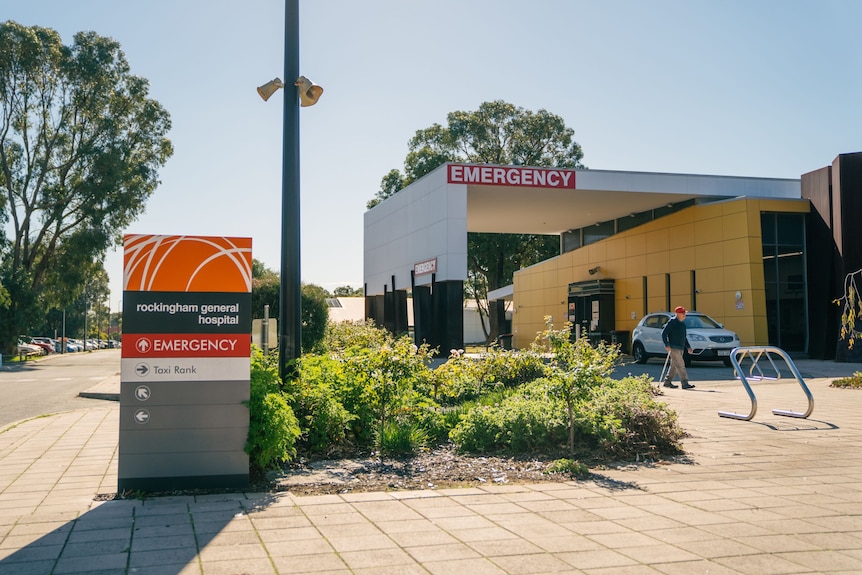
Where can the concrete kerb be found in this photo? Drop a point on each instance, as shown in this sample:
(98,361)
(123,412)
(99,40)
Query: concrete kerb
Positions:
(108,389)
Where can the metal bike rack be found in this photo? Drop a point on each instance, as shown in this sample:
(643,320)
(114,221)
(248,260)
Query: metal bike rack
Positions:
(755,353)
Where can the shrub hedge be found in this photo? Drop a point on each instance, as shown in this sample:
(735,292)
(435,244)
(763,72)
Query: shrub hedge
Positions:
(370,390)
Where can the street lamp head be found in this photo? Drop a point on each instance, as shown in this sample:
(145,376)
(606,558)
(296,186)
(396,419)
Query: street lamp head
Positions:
(309,92)
(270,88)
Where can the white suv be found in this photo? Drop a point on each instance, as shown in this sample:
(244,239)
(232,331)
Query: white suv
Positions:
(708,339)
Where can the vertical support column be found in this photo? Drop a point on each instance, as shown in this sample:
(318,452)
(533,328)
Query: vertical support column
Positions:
(388,310)
(290,287)
(454,330)
(400,311)
(422,315)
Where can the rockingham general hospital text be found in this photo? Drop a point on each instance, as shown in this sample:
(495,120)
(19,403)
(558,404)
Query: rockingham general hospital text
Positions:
(205,311)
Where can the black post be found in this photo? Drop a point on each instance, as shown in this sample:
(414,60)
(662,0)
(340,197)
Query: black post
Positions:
(290,294)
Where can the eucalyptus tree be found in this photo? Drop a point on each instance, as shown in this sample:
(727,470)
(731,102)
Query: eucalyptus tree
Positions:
(496,133)
(81,143)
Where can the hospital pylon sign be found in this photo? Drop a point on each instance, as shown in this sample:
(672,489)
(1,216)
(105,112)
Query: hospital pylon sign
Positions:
(185,368)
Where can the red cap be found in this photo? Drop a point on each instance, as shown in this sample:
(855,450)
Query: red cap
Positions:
(679,309)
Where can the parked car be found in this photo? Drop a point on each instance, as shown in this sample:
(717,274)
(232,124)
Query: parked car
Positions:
(71,347)
(708,339)
(76,344)
(27,349)
(42,342)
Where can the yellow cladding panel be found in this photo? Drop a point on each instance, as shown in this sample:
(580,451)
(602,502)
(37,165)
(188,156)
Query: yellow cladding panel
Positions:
(708,255)
(635,244)
(616,248)
(555,296)
(710,303)
(657,241)
(680,286)
(735,206)
(708,231)
(735,251)
(564,260)
(598,252)
(682,235)
(658,261)
(745,329)
(791,206)
(525,334)
(735,225)
(681,259)
(580,258)
(707,212)
(656,293)
(636,266)
(720,241)
(709,280)
(549,277)
(632,287)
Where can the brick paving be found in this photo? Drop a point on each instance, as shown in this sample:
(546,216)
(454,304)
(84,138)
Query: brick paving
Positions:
(774,495)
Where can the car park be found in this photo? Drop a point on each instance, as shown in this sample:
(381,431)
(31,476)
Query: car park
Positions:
(77,345)
(42,342)
(709,340)
(28,349)
(72,347)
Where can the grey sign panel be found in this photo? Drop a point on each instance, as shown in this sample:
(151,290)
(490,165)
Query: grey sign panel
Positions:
(182,464)
(140,441)
(183,417)
(143,394)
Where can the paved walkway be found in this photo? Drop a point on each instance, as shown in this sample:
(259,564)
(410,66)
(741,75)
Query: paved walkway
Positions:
(774,495)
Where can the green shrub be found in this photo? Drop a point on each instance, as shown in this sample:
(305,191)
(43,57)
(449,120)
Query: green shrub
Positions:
(527,421)
(325,422)
(623,419)
(569,467)
(464,378)
(372,389)
(360,334)
(401,438)
(612,418)
(575,368)
(273,428)
(853,381)
(314,317)
(367,379)
(510,368)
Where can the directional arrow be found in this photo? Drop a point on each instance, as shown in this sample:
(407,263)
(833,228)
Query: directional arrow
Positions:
(142,416)
(142,393)
(142,369)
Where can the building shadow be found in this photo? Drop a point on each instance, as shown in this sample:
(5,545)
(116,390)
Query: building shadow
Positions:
(164,535)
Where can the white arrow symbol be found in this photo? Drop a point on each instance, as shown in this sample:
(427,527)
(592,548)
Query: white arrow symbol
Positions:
(142,416)
(142,393)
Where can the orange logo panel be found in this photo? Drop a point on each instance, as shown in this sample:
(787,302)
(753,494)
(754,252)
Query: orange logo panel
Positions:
(186,263)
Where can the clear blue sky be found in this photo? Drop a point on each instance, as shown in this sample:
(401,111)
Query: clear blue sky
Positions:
(737,87)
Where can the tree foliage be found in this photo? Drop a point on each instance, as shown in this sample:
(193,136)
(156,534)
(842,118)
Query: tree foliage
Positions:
(81,144)
(348,291)
(851,308)
(265,287)
(502,134)
(575,368)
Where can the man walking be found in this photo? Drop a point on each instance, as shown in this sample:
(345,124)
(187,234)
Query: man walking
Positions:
(676,342)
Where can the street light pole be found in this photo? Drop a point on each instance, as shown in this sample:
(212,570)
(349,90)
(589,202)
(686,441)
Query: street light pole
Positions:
(290,287)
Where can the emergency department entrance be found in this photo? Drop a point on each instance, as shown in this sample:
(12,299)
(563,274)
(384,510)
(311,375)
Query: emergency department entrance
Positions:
(591,309)
(648,238)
